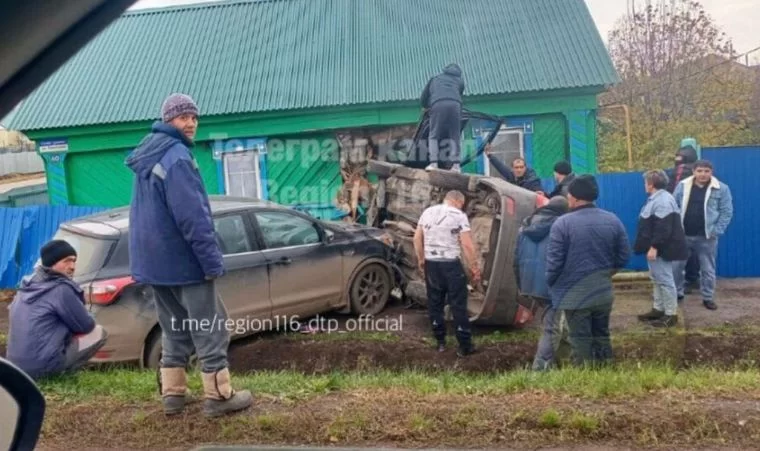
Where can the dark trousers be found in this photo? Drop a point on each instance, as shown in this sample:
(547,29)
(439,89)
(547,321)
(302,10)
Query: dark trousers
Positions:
(445,132)
(192,318)
(692,269)
(589,334)
(447,281)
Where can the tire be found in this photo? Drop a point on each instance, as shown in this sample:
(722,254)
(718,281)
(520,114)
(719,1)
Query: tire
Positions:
(152,354)
(372,299)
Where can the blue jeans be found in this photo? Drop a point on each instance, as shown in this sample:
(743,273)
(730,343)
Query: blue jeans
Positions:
(665,295)
(553,336)
(706,251)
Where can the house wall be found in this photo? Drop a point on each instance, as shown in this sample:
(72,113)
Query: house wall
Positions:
(86,165)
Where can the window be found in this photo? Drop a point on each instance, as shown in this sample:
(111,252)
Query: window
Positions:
(232,235)
(281,229)
(241,174)
(507,146)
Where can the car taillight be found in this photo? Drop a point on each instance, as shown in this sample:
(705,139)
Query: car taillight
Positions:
(509,206)
(523,316)
(541,200)
(105,292)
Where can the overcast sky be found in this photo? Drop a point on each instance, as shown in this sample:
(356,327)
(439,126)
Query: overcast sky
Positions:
(738,18)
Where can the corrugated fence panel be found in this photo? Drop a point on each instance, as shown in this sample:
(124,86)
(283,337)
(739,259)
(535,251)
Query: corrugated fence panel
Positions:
(24,231)
(738,251)
(25,162)
(40,224)
(623,194)
(11,220)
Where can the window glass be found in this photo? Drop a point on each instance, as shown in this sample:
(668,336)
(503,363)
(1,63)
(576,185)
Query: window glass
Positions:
(280,229)
(506,146)
(232,235)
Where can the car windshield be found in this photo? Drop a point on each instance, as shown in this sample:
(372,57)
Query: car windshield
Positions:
(91,252)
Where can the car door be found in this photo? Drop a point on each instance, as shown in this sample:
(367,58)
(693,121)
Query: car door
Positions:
(306,271)
(244,287)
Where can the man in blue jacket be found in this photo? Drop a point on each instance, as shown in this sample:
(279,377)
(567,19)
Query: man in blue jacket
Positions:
(442,95)
(173,248)
(707,208)
(587,246)
(51,331)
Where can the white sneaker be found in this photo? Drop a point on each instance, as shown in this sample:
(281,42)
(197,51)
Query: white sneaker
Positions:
(431,166)
(455,168)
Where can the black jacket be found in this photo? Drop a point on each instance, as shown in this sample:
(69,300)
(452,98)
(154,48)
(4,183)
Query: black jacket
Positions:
(562,187)
(529,180)
(683,169)
(446,86)
(660,227)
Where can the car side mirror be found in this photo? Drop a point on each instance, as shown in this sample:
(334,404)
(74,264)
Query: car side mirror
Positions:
(329,236)
(22,408)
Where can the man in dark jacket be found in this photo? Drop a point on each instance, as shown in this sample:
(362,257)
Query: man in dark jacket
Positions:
(681,170)
(51,331)
(443,97)
(520,174)
(587,246)
(661,237)
(564,176)
(173,248)
(530,272)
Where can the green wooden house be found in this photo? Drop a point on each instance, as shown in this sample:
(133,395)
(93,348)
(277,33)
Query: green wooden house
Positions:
(272,75)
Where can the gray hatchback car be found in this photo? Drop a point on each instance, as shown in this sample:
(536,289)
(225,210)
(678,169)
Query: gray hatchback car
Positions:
(282,267)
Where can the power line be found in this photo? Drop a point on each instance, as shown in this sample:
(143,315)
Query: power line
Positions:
(708,69)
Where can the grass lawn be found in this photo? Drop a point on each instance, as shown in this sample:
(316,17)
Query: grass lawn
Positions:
(646,404)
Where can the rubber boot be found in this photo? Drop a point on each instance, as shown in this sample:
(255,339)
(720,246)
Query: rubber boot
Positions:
(173,388)
(220,398)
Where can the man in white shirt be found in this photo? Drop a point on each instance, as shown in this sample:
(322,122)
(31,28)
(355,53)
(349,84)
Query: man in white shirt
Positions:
(443,231)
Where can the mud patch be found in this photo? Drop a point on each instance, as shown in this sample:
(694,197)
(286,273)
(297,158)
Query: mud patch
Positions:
(324,356)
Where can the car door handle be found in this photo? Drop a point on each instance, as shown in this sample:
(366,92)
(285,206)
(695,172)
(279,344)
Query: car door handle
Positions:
(284,261)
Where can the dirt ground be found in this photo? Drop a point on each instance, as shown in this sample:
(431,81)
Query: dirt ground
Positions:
(398,418)
(404,338)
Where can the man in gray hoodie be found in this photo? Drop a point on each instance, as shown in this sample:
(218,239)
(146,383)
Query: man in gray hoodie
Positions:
(443,97)
(51,331)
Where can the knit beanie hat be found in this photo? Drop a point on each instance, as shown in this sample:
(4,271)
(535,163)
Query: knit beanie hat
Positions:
(584,187)
(54,251)
(177,105)
(559,202)
(563,168)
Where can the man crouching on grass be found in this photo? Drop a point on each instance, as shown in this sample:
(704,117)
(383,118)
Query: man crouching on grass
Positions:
(51,331)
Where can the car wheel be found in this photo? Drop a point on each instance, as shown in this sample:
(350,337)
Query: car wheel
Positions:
(370,290)
(152,357)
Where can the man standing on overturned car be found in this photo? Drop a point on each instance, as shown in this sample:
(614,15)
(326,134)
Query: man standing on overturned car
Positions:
(442,96)
(437,239)
(173,248)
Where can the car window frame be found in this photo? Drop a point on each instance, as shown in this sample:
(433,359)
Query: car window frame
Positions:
(249,230)
(260,234)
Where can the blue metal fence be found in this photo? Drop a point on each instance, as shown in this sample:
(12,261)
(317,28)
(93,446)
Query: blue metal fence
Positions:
(623,194)
(25,230)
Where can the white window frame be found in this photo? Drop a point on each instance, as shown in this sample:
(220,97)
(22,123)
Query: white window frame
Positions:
(504,130)
(257,168)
